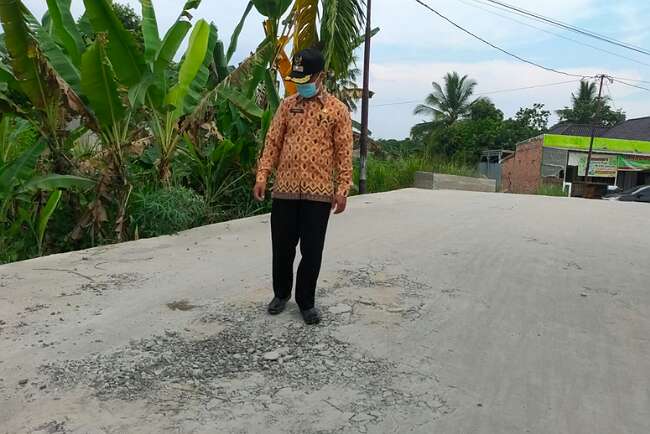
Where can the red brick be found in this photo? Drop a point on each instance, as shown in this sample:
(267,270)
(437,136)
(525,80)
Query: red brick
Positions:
(522,172)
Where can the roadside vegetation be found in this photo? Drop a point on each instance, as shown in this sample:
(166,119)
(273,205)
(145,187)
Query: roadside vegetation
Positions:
(113,129)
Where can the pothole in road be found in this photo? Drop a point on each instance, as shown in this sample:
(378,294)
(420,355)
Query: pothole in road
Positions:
(286,355)
(306,357)
(376,276)
(182,305)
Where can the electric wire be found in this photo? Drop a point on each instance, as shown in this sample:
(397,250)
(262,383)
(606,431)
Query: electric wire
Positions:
(557,35)
(555,22)
(486,93)
(521,59)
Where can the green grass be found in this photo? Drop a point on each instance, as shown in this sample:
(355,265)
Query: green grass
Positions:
(395,174)
(551,190)
(167,211)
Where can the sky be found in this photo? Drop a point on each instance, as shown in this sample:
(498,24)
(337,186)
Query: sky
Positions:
(415,48)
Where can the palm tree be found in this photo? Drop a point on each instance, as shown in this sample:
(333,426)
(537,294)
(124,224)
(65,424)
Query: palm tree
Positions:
(587,108)
(339,33)
(584,105)
(587,94)
(451,103)
(345,87)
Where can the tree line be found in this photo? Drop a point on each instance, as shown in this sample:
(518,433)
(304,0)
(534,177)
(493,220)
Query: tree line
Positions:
(459,126)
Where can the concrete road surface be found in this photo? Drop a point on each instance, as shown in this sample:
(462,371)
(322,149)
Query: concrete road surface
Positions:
(445,312)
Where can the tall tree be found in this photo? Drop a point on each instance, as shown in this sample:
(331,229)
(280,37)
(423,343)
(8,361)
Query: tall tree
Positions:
(450,102)
(587,108)
(129,18)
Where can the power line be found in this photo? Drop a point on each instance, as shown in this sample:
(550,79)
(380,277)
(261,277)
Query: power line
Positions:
(485,93)
(569,27)
(521,59)
(527,87)
(618,80)
(632,79)
(558,35)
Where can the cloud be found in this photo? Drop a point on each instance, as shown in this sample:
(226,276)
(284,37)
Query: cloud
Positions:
(408,24)
(416,47)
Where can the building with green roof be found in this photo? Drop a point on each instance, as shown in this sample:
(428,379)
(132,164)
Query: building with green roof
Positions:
(621,157)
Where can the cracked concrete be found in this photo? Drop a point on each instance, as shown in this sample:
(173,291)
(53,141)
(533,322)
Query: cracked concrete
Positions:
(447,312)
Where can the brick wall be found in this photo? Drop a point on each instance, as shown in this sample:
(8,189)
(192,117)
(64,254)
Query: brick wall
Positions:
(522,173)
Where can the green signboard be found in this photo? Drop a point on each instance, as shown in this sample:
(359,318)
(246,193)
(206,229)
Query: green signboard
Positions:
(633,163)
(600,144)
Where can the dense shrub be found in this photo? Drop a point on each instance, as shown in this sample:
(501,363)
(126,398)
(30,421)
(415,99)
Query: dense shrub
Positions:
(166,211)
(393,174)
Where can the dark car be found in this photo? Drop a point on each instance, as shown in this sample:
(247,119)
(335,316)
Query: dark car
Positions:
(637,194)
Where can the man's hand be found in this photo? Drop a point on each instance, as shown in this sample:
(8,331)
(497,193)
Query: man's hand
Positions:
(259,191)
(339,203)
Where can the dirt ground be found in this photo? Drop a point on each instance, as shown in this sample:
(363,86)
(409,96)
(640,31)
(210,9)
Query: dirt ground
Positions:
(444,312)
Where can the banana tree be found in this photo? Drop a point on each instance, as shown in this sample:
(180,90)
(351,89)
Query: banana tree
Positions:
(42,74)
(22,196)
(167,106)
(15,132)
(335,25)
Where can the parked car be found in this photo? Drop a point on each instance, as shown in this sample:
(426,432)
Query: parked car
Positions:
(636,194)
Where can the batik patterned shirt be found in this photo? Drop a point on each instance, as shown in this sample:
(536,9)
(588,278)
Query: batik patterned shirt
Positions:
(309,144)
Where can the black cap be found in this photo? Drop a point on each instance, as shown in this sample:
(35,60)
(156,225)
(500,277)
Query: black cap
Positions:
(306,63)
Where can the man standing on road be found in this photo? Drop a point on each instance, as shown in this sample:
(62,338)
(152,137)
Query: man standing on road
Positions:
(309,144)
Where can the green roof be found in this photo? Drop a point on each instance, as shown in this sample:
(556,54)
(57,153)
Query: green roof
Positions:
(601,144)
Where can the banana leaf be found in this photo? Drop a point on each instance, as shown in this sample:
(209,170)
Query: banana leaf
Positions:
(259,69)
(56,182)
(190,4)
(46,22)
(45,215)
(3,47)
(267,118)
(21,168)
(60,61)
(65,29)
(245,71)
(152,42)
(164,57)
(305,33)
(194,70)
(37,78)
(22,47)
(174,37)
(170,44)
(6,76)
(138,93)
(235,35)
(273,9)
(85,27)
(220,62)
(246,105)
(99,84)
(7,104)
(272,95)
(121,49)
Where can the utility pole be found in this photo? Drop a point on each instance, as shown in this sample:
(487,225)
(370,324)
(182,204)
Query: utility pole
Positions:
(599,105)
(363,160)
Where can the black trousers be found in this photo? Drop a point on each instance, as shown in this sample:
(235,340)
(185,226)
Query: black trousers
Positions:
(294,221)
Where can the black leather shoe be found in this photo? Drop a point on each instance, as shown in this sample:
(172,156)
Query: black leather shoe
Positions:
(277,305)
(311,316)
